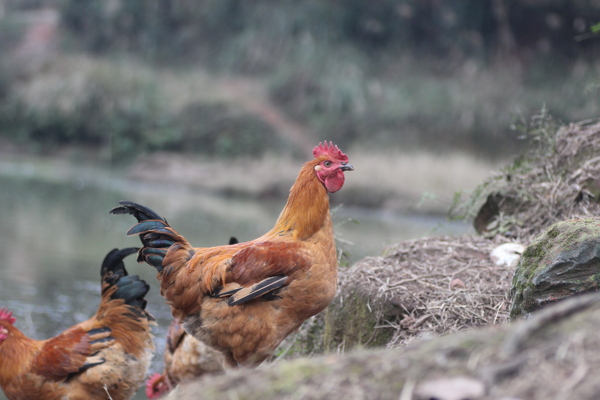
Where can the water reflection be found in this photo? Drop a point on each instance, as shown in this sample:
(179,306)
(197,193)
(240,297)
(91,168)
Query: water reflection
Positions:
(56,233)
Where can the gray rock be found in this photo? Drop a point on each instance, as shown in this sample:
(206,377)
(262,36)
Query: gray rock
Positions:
(562,261)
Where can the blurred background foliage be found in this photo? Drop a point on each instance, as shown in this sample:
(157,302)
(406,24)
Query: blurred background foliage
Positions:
(123,75)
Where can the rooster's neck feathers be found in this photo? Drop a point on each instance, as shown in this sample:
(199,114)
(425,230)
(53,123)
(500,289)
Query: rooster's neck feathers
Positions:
(307,207)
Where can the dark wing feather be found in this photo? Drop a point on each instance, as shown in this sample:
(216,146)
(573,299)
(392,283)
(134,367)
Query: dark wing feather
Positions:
(227,290)
(261,268)
(261,288)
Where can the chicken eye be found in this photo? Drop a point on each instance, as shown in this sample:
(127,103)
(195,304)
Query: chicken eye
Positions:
(327,164)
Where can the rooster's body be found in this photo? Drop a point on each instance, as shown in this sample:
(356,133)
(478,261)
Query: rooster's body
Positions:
(113,349)
(244,299)
(185,358)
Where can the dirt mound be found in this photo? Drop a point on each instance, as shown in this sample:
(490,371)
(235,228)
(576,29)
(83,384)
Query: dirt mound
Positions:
(436,285)
(558,180)
(418,287)
(552,355)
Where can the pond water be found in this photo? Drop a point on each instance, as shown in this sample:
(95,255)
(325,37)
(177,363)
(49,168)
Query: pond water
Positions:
(56,229)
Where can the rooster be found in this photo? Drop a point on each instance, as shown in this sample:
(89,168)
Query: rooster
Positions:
(185,359)
(107,355)
(244,299)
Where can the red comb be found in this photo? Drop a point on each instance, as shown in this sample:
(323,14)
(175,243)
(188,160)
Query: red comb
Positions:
(330,150)
(7,315)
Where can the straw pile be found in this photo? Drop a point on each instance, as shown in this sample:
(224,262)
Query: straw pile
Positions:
(426,286)
(558,180)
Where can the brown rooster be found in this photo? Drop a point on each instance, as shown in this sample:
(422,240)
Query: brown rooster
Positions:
(107,354)
(244,299)
(185,358)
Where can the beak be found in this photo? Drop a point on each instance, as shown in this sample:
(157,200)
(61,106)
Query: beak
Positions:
(347,167)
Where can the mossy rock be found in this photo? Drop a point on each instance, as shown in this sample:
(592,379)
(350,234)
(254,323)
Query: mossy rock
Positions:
(351,321)
(562,261)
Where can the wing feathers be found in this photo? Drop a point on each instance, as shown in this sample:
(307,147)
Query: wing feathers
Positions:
(99,333)
(227,290)
(263,260)
(92,362)
(265,286)
(68,352)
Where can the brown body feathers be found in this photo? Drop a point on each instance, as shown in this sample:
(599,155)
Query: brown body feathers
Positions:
(244,299)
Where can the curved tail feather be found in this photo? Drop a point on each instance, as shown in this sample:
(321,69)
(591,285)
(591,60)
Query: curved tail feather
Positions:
(113,267)
(154,231)
(140,212)
(130,288)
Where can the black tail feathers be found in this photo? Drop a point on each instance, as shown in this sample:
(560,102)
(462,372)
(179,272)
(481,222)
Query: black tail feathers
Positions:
(153,232)
(130,288)
(113,267)
(140,212)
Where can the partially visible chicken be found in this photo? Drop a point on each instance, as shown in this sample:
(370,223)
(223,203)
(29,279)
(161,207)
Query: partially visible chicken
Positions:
(107,354)
(185,359)
(244,299)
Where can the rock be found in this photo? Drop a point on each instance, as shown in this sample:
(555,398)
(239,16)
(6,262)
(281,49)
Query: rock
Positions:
(555,354)
(562,261)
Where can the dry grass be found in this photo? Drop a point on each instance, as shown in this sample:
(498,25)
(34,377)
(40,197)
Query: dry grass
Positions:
(417,288)
(437,285)
(559,180)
